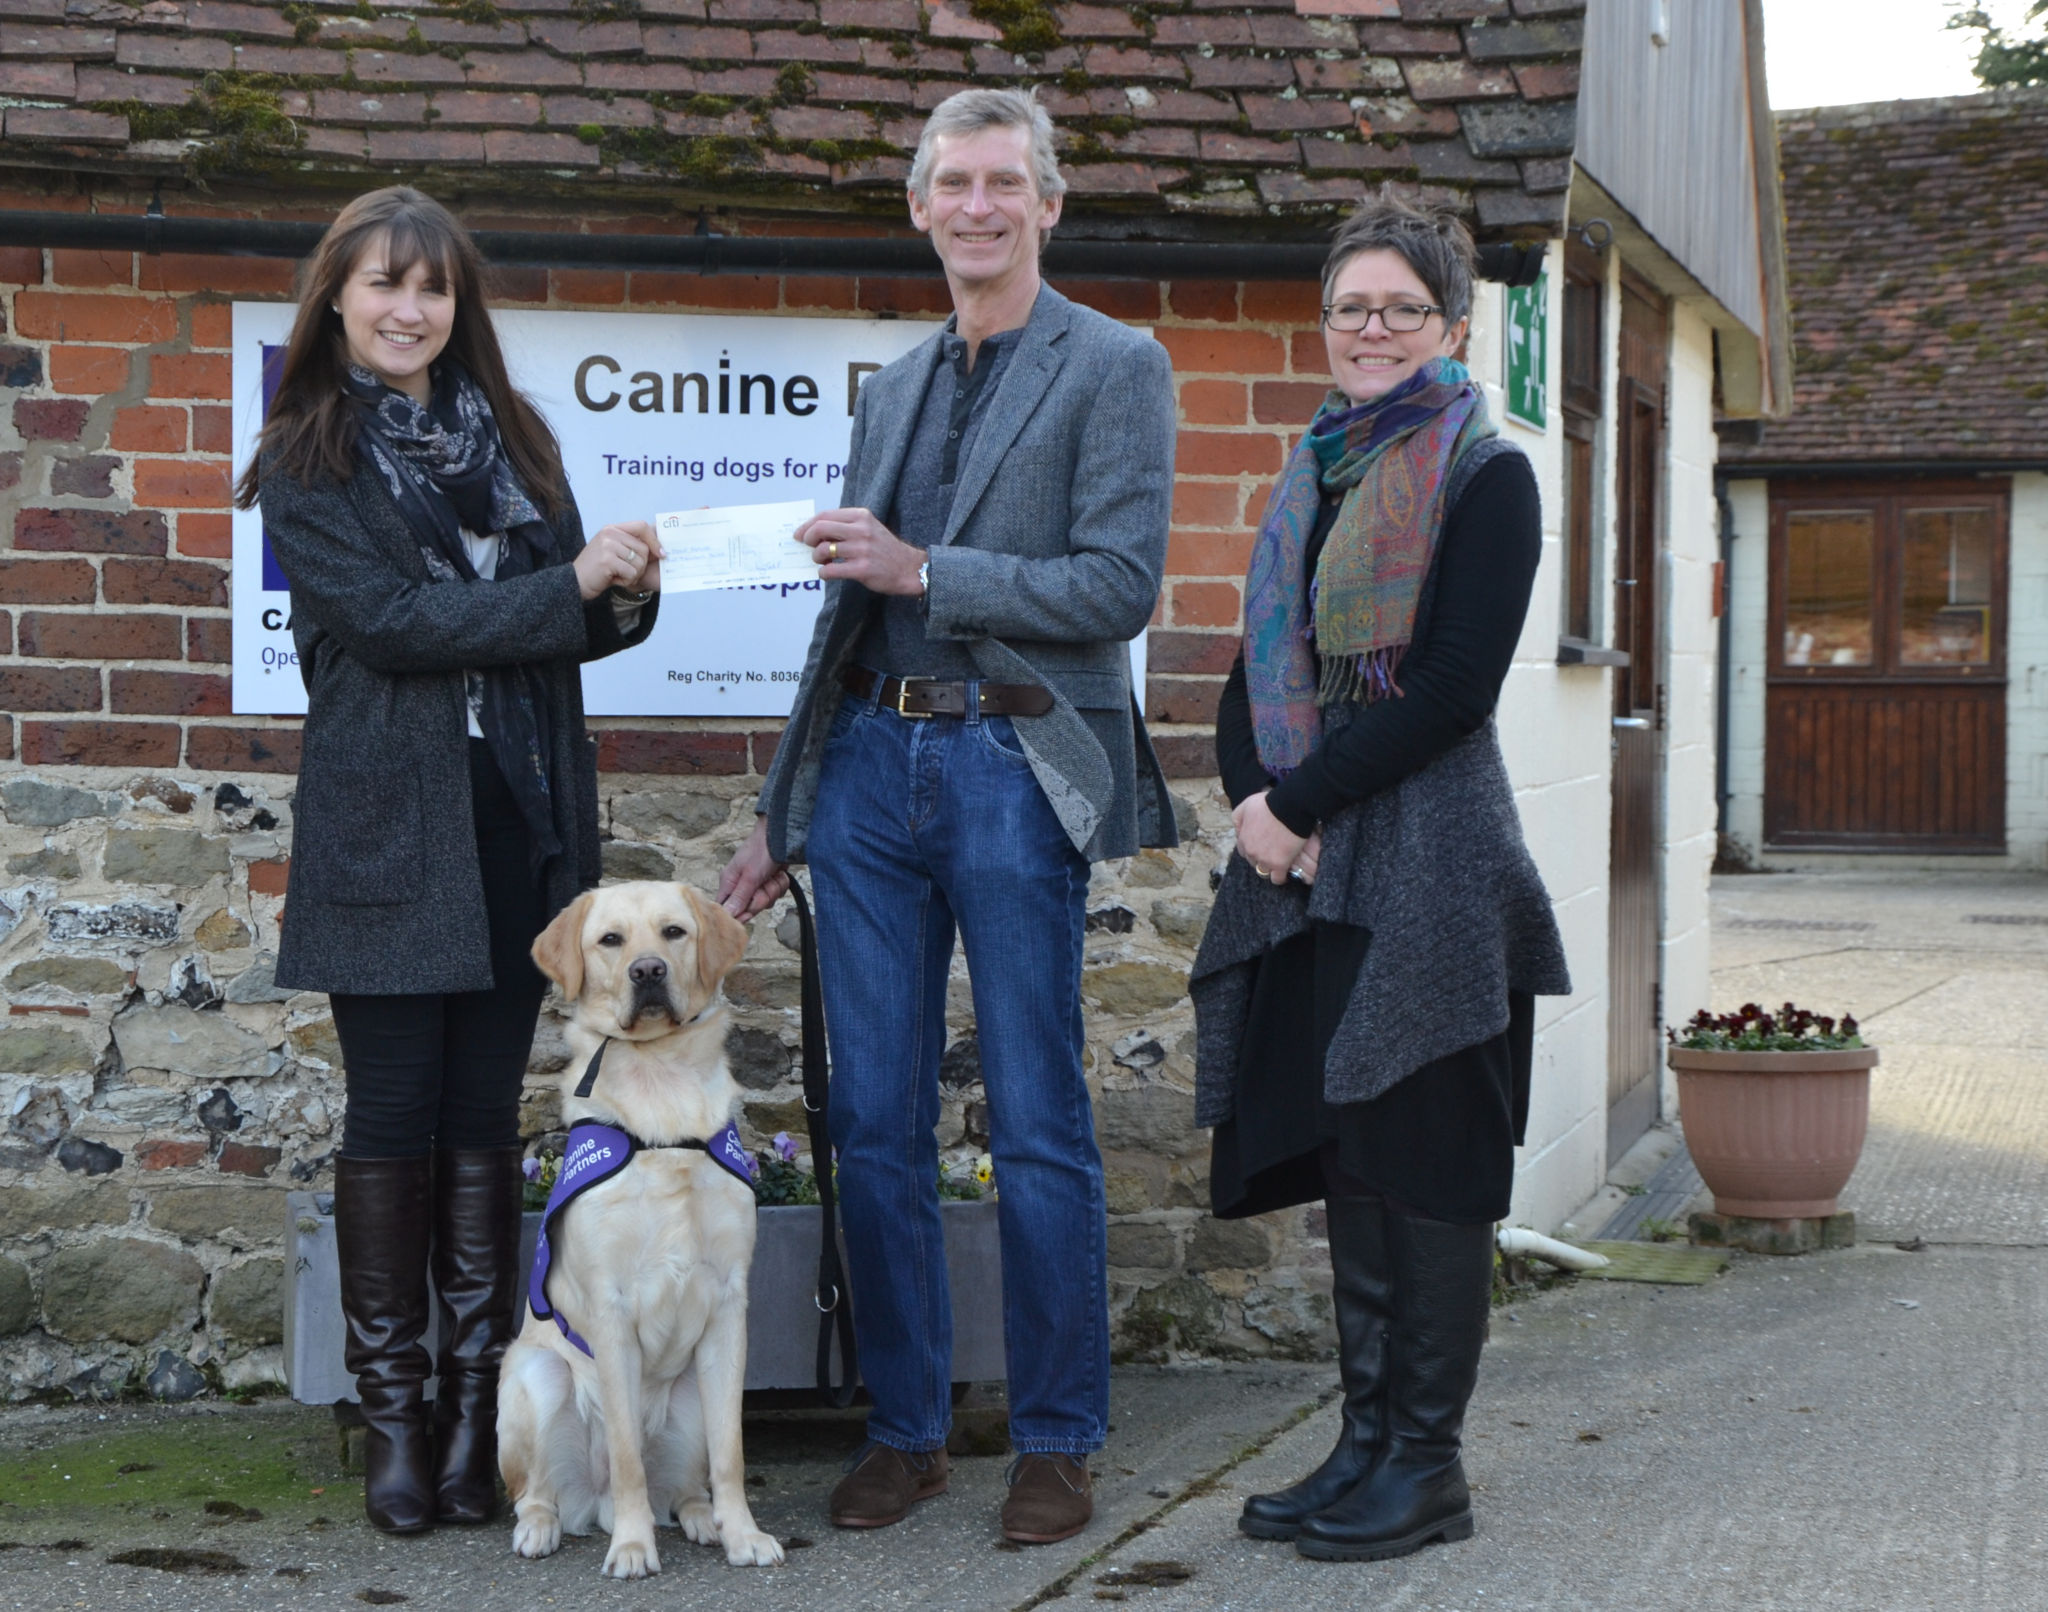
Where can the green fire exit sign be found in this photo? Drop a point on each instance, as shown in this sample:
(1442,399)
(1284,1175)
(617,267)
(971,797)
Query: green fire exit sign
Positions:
(1528,348)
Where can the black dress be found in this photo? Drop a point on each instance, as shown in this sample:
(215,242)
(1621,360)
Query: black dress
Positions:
(1440,1142)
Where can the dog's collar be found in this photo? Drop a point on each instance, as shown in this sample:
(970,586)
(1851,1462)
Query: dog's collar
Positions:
(589,1079)
(725,1148)
(583,1086)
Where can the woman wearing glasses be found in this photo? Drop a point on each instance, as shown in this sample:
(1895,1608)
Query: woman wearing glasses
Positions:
(1364,992)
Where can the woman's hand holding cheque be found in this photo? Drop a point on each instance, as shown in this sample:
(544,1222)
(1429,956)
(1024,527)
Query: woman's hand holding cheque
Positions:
(850,545)
(1275,851)
(625,554)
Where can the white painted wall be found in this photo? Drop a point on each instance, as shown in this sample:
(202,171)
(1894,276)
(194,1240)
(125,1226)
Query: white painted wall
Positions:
(2026,659)
(1555,732)
(1691,647)
(2026,812)
(1749,612)
(1553,725)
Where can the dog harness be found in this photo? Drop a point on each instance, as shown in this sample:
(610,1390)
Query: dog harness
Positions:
(597,1152)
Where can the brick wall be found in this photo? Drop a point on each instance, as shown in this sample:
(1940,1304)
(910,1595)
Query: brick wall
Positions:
(162,1094)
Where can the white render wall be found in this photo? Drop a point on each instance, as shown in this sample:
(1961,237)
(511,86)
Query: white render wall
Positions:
(2026,739)
(1691,646)
(1554,731)
(2026,659)
(1749,612)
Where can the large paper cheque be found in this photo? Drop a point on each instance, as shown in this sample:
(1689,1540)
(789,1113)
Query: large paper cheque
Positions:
(743,545)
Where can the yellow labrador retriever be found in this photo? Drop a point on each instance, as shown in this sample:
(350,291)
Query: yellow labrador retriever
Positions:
(619,1402)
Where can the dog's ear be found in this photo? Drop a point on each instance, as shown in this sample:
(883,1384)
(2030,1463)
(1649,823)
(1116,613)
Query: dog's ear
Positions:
(721,940)
(558,952)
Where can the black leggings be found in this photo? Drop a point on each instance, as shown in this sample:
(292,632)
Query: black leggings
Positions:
(445,1070)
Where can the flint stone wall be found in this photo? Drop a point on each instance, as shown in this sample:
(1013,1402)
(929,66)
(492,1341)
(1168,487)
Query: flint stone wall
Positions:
(161,1094)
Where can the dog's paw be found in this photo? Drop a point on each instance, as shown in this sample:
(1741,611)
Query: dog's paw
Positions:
(749,1547)
(631,1558)
(535,1537)
(695,1519)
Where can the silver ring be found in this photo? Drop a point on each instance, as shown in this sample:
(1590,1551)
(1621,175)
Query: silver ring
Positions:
(1296,873)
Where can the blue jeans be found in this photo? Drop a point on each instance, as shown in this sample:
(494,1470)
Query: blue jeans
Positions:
(922,825)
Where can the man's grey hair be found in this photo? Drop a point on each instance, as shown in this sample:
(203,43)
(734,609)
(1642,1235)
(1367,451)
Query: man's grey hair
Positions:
(971,111)
(1435,244)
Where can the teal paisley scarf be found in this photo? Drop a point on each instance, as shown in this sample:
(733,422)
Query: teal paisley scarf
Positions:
(1340,636)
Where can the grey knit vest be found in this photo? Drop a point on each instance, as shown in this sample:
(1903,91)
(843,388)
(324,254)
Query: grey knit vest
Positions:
(1435,868)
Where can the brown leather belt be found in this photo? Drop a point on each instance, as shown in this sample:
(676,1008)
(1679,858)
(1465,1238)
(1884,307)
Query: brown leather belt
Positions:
(928,696)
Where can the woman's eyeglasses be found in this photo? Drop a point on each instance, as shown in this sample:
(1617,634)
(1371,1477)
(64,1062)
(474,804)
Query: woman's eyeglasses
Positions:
(1396,318)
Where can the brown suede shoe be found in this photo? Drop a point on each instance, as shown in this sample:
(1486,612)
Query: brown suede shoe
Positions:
(882,1484)
(1050,1499)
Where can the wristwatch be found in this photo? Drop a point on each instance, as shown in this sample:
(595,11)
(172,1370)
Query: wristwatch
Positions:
(924,578)
(626,596)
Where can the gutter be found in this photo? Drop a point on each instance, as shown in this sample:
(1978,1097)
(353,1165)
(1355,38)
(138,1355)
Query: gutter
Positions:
(1764,470)
(155,232)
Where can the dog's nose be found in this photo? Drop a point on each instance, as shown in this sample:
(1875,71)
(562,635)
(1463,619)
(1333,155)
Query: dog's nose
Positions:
(647,971)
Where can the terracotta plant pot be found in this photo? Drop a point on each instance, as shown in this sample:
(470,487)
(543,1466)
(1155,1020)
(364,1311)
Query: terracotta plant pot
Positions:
(1776,1135)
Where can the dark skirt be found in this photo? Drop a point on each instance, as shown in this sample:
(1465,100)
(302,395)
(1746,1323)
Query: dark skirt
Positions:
(1440,1143)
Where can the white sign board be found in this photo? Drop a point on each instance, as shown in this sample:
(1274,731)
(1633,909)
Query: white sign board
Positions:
(655,412)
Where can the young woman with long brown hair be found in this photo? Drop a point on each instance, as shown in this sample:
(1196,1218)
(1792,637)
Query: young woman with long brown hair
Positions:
(443,598)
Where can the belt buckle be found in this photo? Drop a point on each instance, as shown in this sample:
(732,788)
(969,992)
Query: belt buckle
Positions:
(902,693)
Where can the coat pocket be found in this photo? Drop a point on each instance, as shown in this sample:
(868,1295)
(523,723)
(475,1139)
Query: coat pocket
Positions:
(359,836)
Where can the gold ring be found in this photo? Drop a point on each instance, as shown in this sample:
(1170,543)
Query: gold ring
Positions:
(832,551)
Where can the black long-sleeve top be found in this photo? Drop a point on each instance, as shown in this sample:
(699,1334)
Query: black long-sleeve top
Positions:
(1450,678)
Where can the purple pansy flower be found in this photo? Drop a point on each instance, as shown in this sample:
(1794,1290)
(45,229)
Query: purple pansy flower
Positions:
(785,1149)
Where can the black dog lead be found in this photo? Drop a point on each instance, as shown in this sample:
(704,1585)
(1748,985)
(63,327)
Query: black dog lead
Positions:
(835,1305)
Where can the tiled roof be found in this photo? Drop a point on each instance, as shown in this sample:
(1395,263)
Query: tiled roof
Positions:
(1917,238)
(1210,111)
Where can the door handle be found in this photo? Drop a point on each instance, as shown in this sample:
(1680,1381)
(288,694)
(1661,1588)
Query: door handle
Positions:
(1632,722)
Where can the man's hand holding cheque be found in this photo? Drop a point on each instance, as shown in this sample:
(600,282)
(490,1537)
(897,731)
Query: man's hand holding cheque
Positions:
(850,545)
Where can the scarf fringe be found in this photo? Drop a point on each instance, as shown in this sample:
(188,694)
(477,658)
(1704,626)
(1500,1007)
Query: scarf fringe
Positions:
(1361,679)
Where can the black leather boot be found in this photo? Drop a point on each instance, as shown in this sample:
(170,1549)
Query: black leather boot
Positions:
(383,1214)
(1442,1288)
(476,1274)
(1358,1262)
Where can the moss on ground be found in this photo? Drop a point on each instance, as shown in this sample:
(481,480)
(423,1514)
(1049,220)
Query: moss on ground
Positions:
(206,1469)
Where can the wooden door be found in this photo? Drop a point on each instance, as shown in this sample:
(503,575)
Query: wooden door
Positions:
(1884,710)
(1634,993)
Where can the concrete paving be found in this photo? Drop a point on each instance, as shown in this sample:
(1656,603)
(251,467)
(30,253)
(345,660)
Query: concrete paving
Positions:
(80,1486)
(1792,1438)
(1861,1430)
(1948,974)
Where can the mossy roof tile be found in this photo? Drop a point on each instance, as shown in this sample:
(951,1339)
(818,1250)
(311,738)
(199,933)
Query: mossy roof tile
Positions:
(1916,236)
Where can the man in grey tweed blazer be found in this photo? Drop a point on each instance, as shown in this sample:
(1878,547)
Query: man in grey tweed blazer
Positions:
(964,743)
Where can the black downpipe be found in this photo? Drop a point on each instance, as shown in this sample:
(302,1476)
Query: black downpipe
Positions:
(719,254)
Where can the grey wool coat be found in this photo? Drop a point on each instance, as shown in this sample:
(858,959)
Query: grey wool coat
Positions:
(384,895)
(1050,563)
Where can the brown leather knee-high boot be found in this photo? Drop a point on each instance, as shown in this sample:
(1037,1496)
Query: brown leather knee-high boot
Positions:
(383,1215)
(476,1273)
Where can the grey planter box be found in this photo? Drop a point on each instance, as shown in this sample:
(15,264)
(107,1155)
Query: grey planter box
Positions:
(782,1317)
